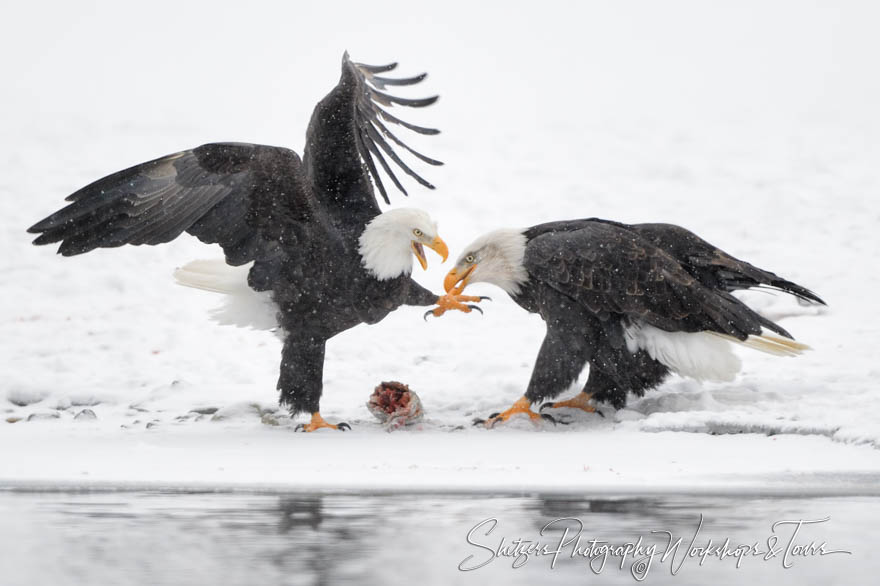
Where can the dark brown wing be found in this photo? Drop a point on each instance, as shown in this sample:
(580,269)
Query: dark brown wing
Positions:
(348,136)
(236,195)
(612,271)
(712,265)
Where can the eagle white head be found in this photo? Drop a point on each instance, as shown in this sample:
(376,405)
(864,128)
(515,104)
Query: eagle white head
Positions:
(389,242)
(496,257)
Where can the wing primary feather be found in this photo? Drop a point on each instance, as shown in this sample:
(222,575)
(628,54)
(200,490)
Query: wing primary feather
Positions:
(72,212)
(390,135)
(368,160)
(375,68)
(381,82)
(388,99)
(376,153)
(377,139)
(394,119)
(207,191)
(82,242)
(351,112)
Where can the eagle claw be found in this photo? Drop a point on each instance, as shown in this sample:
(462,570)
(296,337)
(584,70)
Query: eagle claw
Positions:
(493,419)
(576,403)
(433,312)
(454,300)
(318,423)
(553,420)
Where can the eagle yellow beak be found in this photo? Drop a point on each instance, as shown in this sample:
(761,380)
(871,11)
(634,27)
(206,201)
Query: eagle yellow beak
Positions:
(453,278)
(437,245)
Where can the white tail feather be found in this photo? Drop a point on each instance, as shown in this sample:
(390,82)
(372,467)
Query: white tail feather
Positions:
(242,306)
(699,355)
(213,275)
(770,344)
(704,355)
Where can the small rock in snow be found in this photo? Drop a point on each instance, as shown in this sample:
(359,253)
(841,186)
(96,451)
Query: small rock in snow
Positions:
(205,410)
(85,415)
(42,416)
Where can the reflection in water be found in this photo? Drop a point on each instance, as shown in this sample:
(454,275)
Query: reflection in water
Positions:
(231,538)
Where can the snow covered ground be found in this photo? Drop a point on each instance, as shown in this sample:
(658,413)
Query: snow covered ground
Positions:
(755,125)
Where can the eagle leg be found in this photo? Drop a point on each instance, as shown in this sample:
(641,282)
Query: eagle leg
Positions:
(318,422)
(522,405)
(581,401)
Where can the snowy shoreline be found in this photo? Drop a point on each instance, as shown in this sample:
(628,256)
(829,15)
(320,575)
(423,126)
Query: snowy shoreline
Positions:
(510,461)
(865,487)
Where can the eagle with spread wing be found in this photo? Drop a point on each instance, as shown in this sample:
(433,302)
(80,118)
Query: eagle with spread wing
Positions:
(636,302)
(310,230)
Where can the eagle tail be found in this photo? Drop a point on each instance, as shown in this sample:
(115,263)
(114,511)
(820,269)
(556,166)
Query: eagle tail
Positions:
(213,275)
(769,343)
(242,306)
(704,355)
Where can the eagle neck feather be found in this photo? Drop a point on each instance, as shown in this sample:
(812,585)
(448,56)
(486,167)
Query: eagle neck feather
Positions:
(503,259)
(384,252)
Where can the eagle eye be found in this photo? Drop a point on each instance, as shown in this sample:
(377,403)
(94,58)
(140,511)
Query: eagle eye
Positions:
(470,259)
(417,232)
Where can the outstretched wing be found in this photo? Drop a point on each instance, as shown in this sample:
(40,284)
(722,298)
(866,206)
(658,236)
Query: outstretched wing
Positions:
(237,195)
(611,270)
(349,134)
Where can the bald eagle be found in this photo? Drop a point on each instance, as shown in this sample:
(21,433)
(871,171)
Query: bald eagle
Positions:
(636,302)
(310,229)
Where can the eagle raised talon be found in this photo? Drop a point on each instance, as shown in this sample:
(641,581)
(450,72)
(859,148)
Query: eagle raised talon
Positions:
(455,300)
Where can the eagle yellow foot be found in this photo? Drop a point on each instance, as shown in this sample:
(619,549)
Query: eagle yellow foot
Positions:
(318,422)
(582,402)
(522,405)
(454,300)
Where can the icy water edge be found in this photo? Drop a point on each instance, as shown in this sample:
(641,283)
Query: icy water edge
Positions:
(171,537)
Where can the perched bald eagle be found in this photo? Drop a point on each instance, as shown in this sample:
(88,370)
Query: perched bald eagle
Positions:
(636,302)
(310,228)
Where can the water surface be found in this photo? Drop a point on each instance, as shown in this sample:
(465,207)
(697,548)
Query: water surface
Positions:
(159,537)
